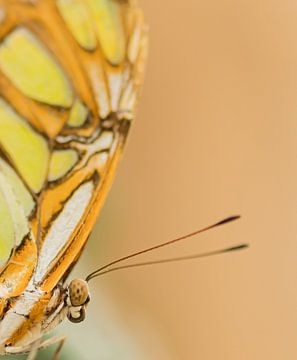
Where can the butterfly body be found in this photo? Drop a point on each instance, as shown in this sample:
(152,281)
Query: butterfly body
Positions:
(70,72)
(36,313)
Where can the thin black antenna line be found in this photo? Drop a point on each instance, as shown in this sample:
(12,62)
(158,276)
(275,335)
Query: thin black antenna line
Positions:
(222,222)
(166,261)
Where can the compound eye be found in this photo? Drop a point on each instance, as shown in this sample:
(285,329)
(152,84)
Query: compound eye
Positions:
(78,292)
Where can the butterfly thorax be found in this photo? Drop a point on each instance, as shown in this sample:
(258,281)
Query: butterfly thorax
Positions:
(28,317)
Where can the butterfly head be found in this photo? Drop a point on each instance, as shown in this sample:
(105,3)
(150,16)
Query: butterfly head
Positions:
(78,298)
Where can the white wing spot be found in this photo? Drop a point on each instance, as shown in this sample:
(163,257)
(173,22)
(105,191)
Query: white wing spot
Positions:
(63,227)
(115,88)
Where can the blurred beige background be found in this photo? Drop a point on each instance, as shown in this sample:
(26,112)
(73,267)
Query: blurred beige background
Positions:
(215,135)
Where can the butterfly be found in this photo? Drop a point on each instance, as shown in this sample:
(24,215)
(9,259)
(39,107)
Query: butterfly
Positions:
(70,74)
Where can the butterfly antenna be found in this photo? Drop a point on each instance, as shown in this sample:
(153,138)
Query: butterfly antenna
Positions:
(107,266)
(166,261)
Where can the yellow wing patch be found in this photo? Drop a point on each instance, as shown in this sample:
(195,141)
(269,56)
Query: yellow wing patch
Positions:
(27,149)
(77,16)
(25,61)
(62,161)
(109,27)
(78,115)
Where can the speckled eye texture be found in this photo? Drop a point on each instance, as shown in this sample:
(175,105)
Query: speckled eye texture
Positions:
(78,292)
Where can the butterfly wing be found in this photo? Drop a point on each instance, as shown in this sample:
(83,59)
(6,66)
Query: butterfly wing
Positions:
(70,72)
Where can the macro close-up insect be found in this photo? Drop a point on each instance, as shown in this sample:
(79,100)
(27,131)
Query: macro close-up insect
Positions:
(208,146)
(67,100)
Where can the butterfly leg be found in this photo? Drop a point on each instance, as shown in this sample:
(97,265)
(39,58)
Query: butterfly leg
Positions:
(59,348)
(34,350)
(31,349)
(60,340)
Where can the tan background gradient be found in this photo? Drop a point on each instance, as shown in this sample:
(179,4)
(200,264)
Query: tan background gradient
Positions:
(215,135)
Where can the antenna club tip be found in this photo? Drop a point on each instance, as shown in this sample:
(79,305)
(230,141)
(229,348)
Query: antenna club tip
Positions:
(235,217)
(238,247)
(228,219)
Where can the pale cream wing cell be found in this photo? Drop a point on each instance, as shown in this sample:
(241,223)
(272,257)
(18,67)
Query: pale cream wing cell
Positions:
(15,201)
(62,228)
(6,229)
(22,194)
